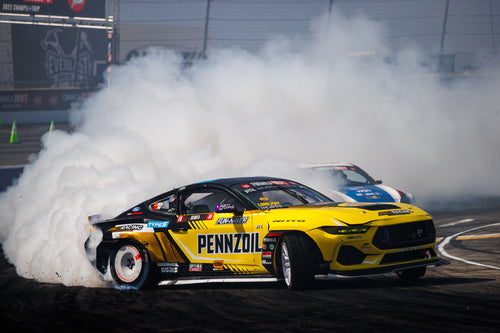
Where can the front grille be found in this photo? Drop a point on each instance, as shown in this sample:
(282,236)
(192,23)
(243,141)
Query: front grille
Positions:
(407,256)
(405,235)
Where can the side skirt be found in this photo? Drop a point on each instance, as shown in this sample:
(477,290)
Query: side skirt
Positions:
(203,280)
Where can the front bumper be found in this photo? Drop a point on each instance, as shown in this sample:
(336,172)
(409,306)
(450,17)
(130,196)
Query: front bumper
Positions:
(386,269)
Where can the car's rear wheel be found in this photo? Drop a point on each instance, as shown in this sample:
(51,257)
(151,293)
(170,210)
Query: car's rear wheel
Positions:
(296,261)
(131,266)
(411,273)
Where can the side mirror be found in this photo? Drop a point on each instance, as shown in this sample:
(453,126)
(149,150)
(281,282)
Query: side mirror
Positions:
(378,182)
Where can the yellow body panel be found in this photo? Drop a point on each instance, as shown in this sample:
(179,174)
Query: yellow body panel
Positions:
(234,242)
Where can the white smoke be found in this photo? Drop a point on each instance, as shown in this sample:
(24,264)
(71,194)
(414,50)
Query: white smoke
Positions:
(158,126)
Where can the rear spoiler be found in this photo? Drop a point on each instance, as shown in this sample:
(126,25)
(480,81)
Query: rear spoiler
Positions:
(96,218)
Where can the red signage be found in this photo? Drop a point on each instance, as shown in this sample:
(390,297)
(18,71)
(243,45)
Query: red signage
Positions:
(39,1)
(76,5)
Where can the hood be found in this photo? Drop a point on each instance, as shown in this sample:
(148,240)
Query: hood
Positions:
(343,214)
(367,193)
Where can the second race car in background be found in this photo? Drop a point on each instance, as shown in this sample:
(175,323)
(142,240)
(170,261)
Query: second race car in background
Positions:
(349,183)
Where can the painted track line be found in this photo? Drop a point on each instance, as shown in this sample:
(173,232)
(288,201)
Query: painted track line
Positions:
(455,223)
(447,239)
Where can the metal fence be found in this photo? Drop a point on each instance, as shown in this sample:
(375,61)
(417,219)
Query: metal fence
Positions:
(465,31)
(461,33)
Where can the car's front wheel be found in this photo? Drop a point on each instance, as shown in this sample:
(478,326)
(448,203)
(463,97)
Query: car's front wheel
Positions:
(131,266)
(296,261)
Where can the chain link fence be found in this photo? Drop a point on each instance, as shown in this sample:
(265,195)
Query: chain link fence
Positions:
(464,33)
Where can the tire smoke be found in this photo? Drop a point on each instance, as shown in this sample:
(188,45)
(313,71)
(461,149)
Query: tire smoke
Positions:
(342,96)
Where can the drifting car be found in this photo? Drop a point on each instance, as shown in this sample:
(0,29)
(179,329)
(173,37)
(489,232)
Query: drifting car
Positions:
(265,227)
(348,182)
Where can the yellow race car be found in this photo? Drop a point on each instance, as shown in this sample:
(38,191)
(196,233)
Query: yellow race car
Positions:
(260,227)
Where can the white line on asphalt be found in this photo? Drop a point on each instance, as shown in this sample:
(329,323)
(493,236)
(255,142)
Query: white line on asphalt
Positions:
(455,223)
(447,239)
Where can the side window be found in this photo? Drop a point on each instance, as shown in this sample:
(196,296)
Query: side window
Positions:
(356,177)
(165,205)
(203,201)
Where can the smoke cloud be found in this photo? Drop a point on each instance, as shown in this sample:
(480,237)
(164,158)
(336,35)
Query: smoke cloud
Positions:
(342,96)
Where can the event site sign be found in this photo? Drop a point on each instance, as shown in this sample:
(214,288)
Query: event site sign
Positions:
(71,8)
(56,57)
(42,99)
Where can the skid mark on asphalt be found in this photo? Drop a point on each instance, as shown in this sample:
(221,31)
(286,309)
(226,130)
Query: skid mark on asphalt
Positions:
(447,239)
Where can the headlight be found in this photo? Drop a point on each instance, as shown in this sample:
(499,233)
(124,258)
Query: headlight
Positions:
(346,230)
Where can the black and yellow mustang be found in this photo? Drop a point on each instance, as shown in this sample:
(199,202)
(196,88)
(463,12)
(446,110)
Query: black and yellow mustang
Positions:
(261,227)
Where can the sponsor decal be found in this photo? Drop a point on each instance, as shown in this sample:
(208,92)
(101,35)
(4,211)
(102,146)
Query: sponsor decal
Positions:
(407,249)
(130,227)
(20,99)
(158,224)
(279,182)
(270,204)
(218,265)
(291,221)
(232,220)
(245,186)
(229,243)
(396,212)
(135,211)
(225,207)
(53,100)
(195,267)
(168,267)
(263,183)
(37,100)
(199,217)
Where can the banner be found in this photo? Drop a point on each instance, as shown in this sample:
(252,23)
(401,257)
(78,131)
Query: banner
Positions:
(40,99)
(71,8)
(55,57)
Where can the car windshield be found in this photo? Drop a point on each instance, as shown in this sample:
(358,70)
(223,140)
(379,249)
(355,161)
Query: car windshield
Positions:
(340,176)
(271,194)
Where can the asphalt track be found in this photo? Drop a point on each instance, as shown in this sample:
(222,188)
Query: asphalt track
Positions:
(461,297)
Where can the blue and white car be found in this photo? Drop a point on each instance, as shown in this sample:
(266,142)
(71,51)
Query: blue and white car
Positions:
(347,182)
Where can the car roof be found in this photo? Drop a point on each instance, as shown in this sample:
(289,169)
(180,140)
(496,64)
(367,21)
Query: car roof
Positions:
(320,165)
(236,180)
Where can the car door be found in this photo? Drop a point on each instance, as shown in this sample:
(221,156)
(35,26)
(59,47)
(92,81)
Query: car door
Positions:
(213,228)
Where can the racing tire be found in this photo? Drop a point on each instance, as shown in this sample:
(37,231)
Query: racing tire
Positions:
(296,262)
(411,273)
(131,266)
